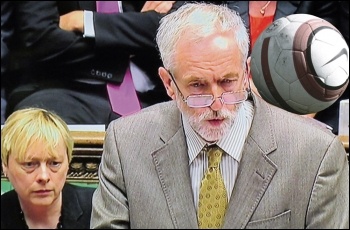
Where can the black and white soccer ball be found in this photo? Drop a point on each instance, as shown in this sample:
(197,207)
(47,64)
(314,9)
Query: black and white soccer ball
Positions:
(300,63)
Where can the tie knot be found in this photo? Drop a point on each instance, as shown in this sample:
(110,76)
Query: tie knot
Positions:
(215,154)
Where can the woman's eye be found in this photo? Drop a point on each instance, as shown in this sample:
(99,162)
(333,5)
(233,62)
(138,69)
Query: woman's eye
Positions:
(55,164)
(29,165)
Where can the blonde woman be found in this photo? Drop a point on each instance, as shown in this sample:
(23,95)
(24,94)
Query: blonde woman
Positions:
(36,148)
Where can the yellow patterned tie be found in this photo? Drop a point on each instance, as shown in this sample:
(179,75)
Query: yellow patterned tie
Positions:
(212,195)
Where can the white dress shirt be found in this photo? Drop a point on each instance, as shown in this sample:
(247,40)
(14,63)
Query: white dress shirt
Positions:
(232,144)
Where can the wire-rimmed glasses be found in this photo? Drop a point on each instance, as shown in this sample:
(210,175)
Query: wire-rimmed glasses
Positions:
(203,100)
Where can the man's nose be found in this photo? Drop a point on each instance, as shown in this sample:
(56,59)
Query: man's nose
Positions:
(217,103)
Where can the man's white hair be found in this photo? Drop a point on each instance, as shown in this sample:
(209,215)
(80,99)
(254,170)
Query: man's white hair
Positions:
(200,20)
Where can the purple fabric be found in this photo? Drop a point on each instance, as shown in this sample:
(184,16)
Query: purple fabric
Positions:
(107,6)
(123,97)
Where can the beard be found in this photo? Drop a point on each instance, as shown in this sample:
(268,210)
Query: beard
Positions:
(199,121)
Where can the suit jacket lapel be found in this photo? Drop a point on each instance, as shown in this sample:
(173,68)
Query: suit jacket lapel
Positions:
(255,170)
(172,166)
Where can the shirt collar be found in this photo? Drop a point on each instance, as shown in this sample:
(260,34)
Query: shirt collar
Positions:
(232,143)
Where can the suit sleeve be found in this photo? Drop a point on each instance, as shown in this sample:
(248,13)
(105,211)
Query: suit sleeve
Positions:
(6,32)
(127,32)
(330,194)
(109,204)
(43,40)
(131,32)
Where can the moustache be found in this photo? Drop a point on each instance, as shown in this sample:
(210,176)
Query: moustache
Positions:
(216,115)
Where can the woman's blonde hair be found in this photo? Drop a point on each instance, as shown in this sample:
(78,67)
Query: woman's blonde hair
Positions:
(27,126)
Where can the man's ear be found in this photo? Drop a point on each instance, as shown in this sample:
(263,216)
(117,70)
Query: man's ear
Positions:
(250,77)
(166,79)
(248,65)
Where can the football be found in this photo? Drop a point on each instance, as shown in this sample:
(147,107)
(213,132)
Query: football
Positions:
(300,63)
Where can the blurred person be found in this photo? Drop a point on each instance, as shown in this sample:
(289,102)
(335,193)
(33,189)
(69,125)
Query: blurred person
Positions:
(67,71)
(277,170)
(343,9)
(257,15)
(7,31)
(3,106)
(36,149)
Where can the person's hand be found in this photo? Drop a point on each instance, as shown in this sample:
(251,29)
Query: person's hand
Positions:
(73,21)
(158,6)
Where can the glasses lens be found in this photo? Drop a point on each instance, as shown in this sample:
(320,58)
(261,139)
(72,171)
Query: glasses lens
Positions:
(197,101)
(234,97)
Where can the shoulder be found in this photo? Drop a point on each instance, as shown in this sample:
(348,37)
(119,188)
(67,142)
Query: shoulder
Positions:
(8,198)
(294,138)
(283,123)
(153,115)
(148,128)
(78,195)
(10,218)
(301,122)
(79,191)
(76,206)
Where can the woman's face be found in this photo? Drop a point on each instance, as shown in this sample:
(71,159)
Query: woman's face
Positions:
(39,179)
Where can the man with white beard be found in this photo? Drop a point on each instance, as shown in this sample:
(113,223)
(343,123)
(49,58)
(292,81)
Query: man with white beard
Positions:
(264,167)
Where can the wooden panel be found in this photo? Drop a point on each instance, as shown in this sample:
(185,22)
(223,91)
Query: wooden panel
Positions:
(88,147)
(88,138)
(345,141)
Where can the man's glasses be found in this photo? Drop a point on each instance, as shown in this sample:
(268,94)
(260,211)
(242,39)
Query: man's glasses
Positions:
(201,101)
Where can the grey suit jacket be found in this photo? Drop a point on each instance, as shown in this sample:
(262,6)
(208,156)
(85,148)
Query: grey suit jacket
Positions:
(293,174)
